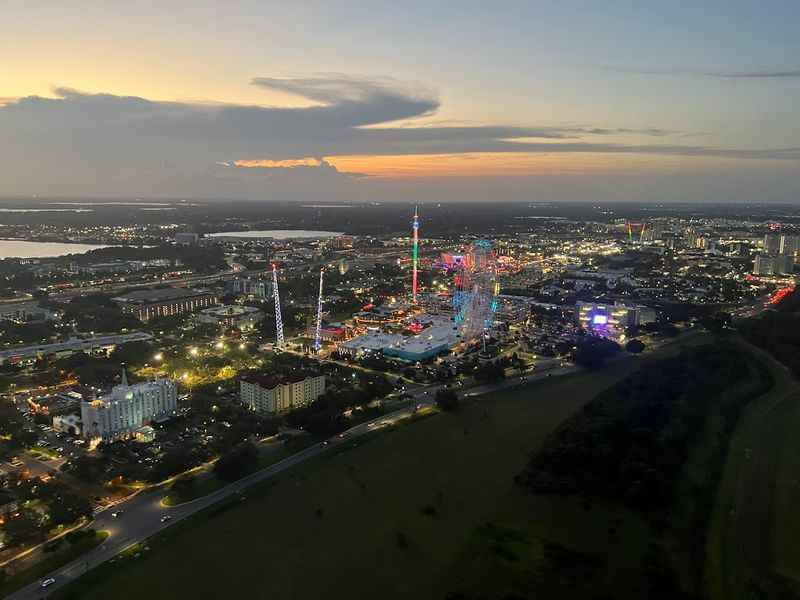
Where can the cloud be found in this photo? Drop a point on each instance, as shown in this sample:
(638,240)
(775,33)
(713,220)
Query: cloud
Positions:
(317,167)
(77,142)
(791,73)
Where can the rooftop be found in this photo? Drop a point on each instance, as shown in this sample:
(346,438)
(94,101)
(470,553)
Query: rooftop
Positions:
(271,381)
(160,295)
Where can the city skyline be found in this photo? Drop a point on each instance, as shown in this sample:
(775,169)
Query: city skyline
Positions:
(635,102)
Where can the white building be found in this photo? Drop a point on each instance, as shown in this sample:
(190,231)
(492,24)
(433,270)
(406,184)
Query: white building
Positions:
(782,264)
(127,408)
(243,318)
(67,424)
(273,395)
(790,244)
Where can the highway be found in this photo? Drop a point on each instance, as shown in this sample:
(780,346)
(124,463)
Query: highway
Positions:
(140,516)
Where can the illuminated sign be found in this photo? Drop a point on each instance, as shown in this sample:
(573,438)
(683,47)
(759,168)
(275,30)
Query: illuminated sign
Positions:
(600,320)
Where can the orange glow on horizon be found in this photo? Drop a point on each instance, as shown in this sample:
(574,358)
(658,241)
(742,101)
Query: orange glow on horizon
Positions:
(508,164)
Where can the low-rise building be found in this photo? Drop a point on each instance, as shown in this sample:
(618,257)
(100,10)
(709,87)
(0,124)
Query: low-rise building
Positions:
(272,395)
(70,424)
(149,304)
(187,238)
(243,318)
(612,319)
(94,345)
(253,288)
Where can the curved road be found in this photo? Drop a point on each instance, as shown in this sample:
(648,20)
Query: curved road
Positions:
(141,515)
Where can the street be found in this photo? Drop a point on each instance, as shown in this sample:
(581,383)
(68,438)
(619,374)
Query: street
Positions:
(141,514)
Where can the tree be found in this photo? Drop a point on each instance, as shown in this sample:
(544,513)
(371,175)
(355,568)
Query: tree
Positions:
(68,508)
(447,400)
(184,487)
(237,463)
(635,346)
(21,528)
(592,352)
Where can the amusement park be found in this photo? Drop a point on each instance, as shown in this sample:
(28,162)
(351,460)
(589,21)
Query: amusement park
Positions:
(415,326)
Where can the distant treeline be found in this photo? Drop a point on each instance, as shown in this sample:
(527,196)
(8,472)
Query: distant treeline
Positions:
(777,331)
(197,258)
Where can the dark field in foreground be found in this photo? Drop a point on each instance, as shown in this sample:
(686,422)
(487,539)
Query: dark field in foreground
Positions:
(424,511)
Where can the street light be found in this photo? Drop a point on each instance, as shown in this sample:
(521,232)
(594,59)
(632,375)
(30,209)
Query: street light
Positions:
(159,356)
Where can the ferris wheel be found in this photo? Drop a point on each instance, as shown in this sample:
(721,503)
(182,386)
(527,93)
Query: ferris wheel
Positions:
(476,288)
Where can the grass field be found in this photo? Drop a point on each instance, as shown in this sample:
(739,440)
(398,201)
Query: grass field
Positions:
(753,546)
(422,511)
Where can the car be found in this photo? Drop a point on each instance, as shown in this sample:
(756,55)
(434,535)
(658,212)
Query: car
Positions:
(48,582)
(117,514)
(166,518)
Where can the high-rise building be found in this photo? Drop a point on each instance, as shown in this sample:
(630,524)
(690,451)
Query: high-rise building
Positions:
(790,244)
(780,264)
(127,408)
(784,264)
(764,265)
(692,237)
(653,232)
(265,394)
(772,243)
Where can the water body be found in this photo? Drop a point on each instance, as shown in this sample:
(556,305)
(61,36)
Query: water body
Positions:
(23,249)
(277,234)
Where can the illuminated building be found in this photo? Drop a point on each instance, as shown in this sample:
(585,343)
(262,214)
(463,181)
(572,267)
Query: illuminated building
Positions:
(243,318)
(70,424)
(772,243)
(342,242)
(254,288)
(790,244)
(94,345)
(612,319)
(437,335)
(265,394)
(127,408)
(781,264)
(149,304)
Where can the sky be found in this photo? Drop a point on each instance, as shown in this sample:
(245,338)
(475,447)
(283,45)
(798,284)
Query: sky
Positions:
(639,101)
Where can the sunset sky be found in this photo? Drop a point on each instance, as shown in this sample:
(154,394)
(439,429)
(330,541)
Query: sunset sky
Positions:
(528,101)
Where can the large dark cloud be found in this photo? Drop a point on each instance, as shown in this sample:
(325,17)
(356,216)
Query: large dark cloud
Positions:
(77,142)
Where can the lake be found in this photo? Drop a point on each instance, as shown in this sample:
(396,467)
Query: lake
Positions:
(23,249)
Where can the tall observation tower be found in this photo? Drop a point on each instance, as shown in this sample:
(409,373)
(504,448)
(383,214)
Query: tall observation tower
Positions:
(415,256)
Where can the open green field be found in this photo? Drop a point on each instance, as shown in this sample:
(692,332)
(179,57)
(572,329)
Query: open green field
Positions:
(423,511)
(754,542)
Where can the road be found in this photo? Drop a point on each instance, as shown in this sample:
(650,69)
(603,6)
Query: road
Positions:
(141,515)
